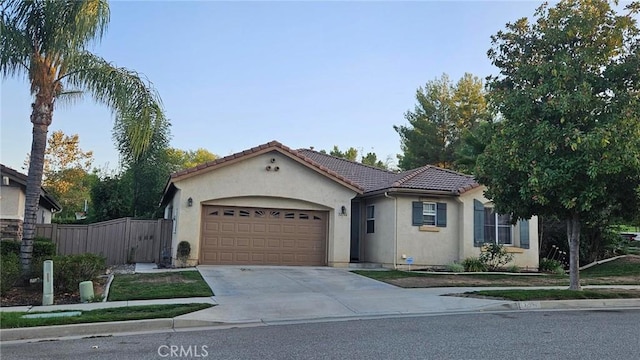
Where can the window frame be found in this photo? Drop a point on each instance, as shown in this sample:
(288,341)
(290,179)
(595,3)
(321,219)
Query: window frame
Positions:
(370,223)
(496,225)
(434,213)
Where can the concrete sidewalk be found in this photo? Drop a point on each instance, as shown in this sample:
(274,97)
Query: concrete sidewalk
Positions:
(280,294)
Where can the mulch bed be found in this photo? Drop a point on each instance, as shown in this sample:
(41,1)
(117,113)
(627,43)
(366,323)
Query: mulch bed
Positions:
(32,295)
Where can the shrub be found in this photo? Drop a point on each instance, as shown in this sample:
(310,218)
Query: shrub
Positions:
(473,264)
(550,266)
(183,251)
(494,256)
(9,272)
(70,270)
(455,267)
(9,247)
(42,247)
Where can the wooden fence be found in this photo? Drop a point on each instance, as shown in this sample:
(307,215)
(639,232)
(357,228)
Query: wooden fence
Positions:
(121,241)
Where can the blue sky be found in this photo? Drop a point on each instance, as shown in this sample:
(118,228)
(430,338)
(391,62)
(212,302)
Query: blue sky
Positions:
(233,75)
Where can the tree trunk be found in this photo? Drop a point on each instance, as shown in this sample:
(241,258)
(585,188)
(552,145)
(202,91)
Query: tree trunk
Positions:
(573,235)
(42,110)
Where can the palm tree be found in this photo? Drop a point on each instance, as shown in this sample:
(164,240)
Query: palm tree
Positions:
(47,41)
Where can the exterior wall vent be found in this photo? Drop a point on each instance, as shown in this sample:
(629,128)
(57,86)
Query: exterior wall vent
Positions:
(5,180)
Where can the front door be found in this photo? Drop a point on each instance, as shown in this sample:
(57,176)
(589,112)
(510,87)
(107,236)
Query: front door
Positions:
(355,231)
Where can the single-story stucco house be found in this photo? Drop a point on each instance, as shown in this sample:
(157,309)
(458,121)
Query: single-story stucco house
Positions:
(12,203)
(272,205)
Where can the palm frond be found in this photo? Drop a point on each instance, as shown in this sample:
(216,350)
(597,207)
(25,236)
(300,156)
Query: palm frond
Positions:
(54,29)
(69,97)
(15,47)
(127,93)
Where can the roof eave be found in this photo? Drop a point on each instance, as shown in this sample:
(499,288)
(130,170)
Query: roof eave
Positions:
(409,191)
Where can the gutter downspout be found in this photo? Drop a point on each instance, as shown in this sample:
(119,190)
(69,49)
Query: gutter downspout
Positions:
(395,235)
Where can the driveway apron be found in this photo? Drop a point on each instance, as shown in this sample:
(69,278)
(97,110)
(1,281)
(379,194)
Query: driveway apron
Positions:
(263,293)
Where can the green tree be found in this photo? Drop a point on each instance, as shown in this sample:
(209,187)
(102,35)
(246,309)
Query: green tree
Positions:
(472,144)
(67,172)
(371,159)
(184,159)
(46,41)
(146,173)
(443,112)
(350,154)
(569,91)
(111,197)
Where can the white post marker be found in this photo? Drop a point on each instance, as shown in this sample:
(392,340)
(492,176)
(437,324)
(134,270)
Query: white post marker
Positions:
(86,291)
(47,283)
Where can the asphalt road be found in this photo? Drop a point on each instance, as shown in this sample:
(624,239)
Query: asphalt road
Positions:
(583,335)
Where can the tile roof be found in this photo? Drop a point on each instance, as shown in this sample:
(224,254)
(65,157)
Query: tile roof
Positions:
(368,177)
(273,145)
(426,178)
(434,178)
(364,178)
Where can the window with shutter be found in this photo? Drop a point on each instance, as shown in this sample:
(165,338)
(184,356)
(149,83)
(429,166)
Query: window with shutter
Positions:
(429,214)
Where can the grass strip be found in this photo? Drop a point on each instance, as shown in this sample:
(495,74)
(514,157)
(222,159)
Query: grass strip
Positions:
(166,285)
(558,294)
(624,271)
(619,267)
(9,319)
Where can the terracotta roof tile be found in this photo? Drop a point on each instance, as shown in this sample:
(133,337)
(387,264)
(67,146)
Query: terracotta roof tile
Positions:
(263,147)
(374,179)
(363,177)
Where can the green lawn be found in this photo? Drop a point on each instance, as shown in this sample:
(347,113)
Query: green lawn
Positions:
(618,267)
(14,319)
(553,294)
(625,271)
(166,285)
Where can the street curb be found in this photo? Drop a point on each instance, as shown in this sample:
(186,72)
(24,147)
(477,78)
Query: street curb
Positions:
(178,324)
(88,329)
(578,304)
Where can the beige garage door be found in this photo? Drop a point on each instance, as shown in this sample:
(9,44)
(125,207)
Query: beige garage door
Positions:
(256,236)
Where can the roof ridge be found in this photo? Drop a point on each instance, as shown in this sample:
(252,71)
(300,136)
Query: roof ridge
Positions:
(272,144)
(453,171)
(229,157)
(413,173)
(349,161)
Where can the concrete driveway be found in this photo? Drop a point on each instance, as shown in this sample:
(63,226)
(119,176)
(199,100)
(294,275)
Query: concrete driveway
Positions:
(263,294)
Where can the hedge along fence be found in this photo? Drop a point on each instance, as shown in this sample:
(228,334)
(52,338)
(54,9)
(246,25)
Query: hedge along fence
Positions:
(68,270)
(120,241)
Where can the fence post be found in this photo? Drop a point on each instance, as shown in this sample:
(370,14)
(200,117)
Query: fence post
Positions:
(127,236)
(54,237)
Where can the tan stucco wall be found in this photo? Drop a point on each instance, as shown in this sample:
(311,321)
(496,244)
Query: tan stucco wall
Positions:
(12,200)
(428,245)
(526,258)
(433,246)
(248,183)
(379,246)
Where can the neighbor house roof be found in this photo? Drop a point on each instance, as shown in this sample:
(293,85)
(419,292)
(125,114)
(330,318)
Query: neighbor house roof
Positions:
(372,179)
(19,178)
